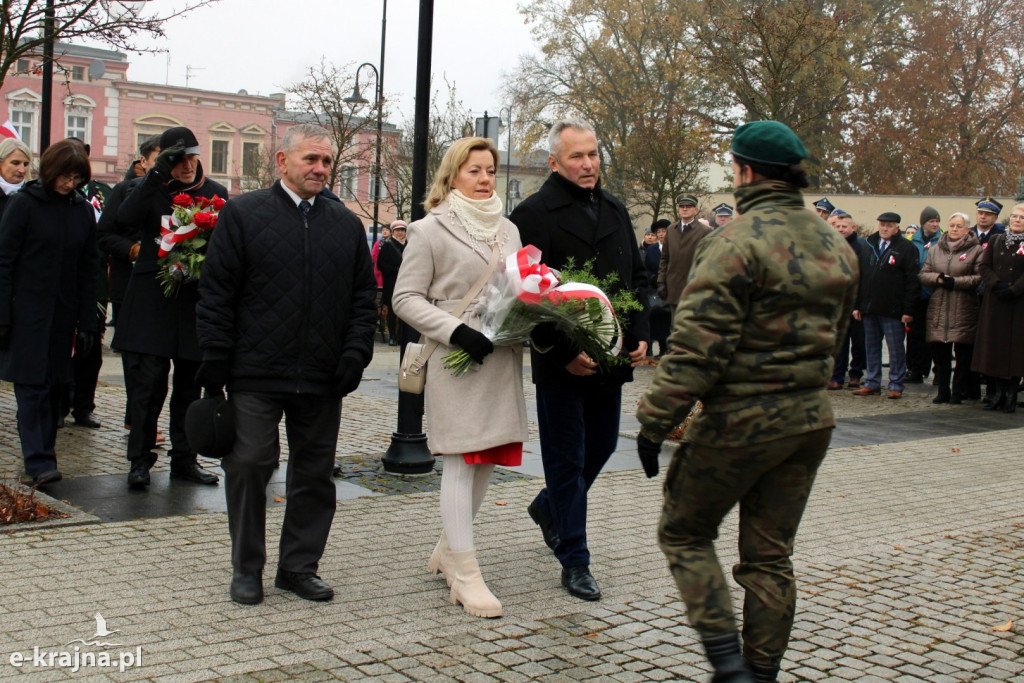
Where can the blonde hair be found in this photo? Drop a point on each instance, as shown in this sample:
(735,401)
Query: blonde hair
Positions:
(453,160)
(10,145)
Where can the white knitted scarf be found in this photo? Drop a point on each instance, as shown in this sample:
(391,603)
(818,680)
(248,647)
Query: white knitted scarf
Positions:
(10,188)
(480,217)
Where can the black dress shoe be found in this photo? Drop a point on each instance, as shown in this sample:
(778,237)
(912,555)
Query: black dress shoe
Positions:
(60,422)
(47,477)
(580,582)
(88,420)
(336,472)
(547,527)
(194,473)
(306,586)
(247,589)
(914,378)
(138,477)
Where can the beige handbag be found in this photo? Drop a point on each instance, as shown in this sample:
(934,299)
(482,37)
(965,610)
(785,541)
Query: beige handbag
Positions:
(412,374)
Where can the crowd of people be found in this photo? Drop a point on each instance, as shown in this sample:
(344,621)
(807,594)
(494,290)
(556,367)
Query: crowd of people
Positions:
(756,313)
(948,303)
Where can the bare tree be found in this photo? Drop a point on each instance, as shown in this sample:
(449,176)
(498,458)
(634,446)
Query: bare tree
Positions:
(447,125)
(132,26)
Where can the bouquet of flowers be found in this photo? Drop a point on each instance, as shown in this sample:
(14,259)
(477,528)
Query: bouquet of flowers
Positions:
(528,293)
(183,239)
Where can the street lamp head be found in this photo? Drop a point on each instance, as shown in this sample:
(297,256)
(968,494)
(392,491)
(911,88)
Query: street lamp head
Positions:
(355,97)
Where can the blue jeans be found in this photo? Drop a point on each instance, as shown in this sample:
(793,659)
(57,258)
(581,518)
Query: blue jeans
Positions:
(851,353)
(579,430)
(875,327)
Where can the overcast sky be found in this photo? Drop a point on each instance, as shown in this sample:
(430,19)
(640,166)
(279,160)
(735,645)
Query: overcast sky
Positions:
(264,45)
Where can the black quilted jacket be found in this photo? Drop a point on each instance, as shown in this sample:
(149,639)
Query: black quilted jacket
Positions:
(284,299)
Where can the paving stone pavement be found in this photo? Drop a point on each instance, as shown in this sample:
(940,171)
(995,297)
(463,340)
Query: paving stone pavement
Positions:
(909,556)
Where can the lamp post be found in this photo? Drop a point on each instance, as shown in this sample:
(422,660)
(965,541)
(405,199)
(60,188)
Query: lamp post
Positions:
(408,453)
(508,154)
(356,98)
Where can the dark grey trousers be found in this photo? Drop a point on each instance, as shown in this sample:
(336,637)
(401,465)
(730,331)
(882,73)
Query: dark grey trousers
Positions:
(311,425)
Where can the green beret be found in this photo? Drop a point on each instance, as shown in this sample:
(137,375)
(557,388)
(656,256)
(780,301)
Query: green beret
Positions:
(768,142)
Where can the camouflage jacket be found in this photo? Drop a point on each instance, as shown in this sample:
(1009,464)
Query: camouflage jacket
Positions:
(767,304)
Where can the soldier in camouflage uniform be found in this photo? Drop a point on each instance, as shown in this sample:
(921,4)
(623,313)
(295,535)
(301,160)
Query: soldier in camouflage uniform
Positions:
(767,303)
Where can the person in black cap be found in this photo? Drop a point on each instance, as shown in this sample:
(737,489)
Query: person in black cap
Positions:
(824,208)
(723,214)
(987,226)
(889,290)
(767,302)
(154,329)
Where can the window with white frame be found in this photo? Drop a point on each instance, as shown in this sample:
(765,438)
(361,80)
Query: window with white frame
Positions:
(348,182)
(250,159)
(23,111)
(373,187)
(78,111)
(24,121)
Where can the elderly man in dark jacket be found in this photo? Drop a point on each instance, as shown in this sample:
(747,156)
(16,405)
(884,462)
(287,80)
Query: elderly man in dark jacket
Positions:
(851,350)
(889,290)
(578,405)
(155,328)
(286,323)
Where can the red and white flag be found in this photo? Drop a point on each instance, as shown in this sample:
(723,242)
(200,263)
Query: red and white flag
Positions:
(9,131)
(892,260)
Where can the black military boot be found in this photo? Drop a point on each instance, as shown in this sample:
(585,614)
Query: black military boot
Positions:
(724,654)
(763,674)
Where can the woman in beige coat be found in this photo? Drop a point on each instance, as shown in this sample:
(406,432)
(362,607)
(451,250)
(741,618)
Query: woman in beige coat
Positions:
(478,419)
(951,270)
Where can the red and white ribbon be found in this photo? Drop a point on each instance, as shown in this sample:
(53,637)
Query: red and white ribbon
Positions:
(172,232)
(579,290)
(531,278)
(963,257)
(892,260)
(1020,249)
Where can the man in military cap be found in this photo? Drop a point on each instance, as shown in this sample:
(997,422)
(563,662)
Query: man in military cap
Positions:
(824,208)
(889,290)
(679,248)
(770,298)
(723,214)
(986,227)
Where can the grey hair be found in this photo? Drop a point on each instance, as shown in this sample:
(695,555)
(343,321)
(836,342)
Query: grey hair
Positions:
(555,135)
(962,216)
(293,135)
(11,145)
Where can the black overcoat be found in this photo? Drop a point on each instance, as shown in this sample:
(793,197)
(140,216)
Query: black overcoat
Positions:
(556,221)
(117,239)
(48,279)
(150,322)
(1000,337)
(889,286)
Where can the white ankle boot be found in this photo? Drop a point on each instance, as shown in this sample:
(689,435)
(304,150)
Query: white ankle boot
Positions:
(469,589)
(441,561)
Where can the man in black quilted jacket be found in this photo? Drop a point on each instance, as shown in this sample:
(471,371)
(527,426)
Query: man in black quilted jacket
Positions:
(286,321)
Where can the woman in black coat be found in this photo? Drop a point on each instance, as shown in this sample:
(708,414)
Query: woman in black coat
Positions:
(389,260)
(48,280)
(1001,321)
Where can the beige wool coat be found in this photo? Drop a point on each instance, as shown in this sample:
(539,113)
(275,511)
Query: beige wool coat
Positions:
(485,407)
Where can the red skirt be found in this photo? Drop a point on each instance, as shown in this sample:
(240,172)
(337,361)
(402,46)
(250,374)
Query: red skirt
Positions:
(509,455)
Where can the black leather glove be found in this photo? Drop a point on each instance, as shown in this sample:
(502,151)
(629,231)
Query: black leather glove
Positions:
(5,337)
(648,451)
(474,343)
(348,376)
(947,281)
(167,160)
(84,342)
(213,375)
(544,335)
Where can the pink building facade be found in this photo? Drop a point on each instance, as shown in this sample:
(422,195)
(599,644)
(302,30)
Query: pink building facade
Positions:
(94,101)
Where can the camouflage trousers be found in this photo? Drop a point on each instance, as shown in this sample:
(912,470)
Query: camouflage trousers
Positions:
(771,482)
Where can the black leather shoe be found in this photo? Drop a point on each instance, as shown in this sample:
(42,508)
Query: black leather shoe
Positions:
(336,472)
(306,586)
(547,527)
(194,473)
(914,378)
(138,477)
(47,477)
(88,420)
(247,589)
(580,582)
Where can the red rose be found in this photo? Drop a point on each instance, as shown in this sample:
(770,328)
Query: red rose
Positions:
(202,202)
(213,221)
(203,219)
(183,200)
(218,203)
